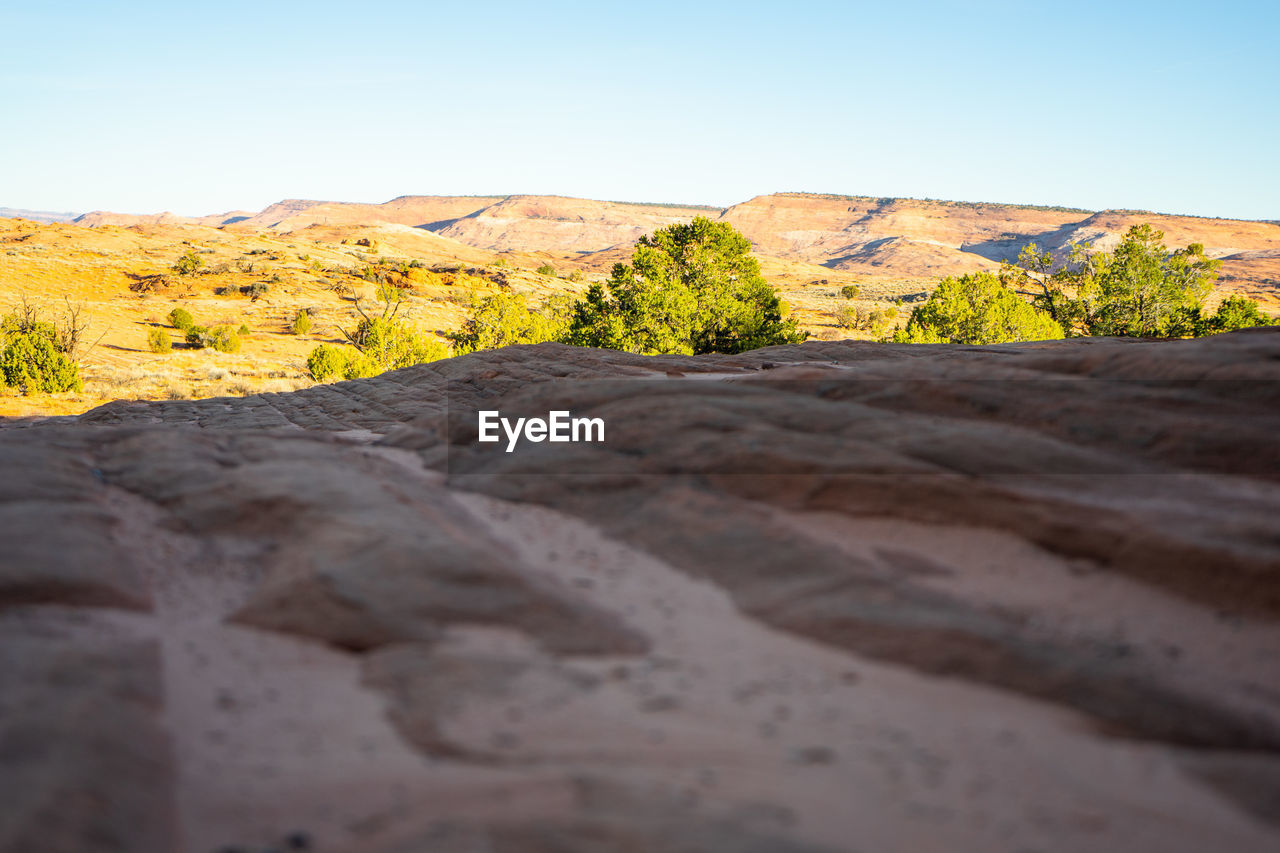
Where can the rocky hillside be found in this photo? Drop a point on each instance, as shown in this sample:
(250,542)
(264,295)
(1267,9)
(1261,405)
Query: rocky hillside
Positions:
(915,238)
(881,237)
(36,215)
(833,597)
(549,223)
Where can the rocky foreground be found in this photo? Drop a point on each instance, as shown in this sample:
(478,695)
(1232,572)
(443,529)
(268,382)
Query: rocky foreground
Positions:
(837,596)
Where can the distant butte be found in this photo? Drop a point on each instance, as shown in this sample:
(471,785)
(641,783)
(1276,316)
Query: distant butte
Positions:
(856,234)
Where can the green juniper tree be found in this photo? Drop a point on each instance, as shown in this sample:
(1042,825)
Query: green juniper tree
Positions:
(505,318)
(36,356)
(690,288)
(1139,289)
(976,309)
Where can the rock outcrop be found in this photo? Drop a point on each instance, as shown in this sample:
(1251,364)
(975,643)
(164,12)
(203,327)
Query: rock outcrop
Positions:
(836,596)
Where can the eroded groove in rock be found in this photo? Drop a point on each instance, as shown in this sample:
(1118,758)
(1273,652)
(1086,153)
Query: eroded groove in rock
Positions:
(86,758)
(1011,597)
(58,531)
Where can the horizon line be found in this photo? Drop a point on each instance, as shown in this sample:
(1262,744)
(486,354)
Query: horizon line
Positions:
(76,214)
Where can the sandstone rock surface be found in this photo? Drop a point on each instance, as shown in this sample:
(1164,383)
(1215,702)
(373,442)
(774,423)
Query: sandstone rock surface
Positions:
(836,596)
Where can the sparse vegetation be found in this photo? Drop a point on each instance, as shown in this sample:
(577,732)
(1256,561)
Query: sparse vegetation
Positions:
(198,337)
(188,264)
(381,343)
(224,339)
(1235,312)
(181,319)
(387,345)
(158,341)
(70,326)
(505,318)
(446,298)
(33,364)
(327,362)
(1140,289)
(864,318)
(392,344)
(33,354)
(976,309)
(690,288)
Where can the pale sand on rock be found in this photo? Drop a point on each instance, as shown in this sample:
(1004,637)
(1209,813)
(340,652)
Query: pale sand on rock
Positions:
(330,619)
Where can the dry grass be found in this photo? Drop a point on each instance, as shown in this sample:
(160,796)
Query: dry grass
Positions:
(123,278)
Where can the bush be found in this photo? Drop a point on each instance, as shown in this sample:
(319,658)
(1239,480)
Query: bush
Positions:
(691,288)
(360,366)
(224,339)
(381,344)
(546,269)
(181,319)
(391,344)
(199,337)
(327,362)
(158,340)
(38,356)
(188,263)
(1140,289)
(504,319)
(302,322)
(28,323)
(865,319)
(850,291)
(243,331)
(32,362)
(1235,312)
(254,291)
(976,309)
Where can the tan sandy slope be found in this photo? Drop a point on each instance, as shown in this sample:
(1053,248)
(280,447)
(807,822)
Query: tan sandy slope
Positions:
(904,238)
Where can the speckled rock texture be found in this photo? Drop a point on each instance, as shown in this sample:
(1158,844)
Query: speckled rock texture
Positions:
(830,597)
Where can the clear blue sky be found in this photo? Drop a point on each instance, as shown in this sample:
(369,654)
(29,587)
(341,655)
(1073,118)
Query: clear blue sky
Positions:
(200,108)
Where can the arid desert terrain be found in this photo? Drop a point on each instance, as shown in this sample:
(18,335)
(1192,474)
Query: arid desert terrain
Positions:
(318,256)
(842,595)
